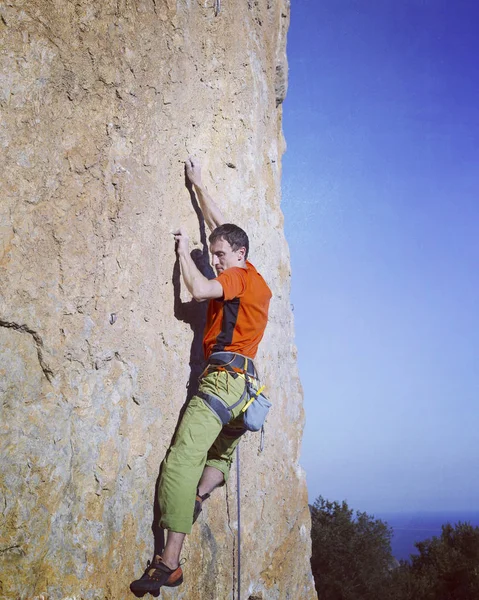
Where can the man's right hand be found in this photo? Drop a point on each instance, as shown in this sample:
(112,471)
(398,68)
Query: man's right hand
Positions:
(193,171)
(182,241)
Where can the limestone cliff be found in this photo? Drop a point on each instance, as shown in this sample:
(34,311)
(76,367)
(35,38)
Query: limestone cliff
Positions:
(101,103)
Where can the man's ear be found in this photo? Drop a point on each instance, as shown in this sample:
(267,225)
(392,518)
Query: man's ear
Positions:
(241,253)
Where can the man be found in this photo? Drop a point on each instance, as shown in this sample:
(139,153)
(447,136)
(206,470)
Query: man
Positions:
(200,457)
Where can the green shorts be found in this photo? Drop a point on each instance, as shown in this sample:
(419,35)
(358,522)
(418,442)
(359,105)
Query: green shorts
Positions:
(201,440)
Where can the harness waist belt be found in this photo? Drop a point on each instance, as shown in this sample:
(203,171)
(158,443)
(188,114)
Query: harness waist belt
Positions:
(233,362)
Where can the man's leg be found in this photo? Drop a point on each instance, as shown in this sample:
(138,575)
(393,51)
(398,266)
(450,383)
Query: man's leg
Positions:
(171,553)
(200,430)
(221,453)
(180,473)
(182,470)
(210,480)
(183,466)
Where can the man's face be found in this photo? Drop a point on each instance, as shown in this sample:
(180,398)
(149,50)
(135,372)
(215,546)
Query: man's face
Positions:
(225,257)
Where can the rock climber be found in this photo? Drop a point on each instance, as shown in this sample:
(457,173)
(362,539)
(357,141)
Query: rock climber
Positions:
(201,454)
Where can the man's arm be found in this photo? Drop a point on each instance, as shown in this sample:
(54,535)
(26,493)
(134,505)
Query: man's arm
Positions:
(211,213)
(198,285)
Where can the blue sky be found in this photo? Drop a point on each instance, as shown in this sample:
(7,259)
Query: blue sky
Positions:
(381,202)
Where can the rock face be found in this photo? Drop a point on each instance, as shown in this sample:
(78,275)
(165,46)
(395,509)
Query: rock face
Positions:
(100,344)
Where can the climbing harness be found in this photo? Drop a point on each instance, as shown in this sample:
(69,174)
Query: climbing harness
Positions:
(233,363)
(219,407)
(256,408)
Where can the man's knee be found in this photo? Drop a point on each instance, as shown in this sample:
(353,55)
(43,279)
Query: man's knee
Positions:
(221,465)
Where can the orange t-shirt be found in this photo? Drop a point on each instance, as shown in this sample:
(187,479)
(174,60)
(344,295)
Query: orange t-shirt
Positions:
(236,322)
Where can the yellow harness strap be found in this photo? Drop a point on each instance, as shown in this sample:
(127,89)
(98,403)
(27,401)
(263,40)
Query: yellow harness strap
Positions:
(252,399)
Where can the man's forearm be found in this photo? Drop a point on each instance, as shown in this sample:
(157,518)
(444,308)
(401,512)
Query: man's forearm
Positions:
(198,285)
(211,212)
(194,280)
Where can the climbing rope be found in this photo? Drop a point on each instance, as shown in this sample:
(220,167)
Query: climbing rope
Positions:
(239,518)
(217,7)
(238,503)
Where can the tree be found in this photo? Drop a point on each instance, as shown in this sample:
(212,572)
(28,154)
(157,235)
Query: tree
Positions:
(351,555)
(447,567)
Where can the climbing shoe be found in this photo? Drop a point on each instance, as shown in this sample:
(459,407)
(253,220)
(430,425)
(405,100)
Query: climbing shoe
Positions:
(199,505)
(156,575)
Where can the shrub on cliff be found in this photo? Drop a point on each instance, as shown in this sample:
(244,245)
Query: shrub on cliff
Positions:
(351,554)
(446,568)
(352,560)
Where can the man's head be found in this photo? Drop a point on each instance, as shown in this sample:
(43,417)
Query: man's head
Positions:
(229,247)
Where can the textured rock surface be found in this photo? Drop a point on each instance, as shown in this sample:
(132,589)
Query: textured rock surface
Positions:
(101,103)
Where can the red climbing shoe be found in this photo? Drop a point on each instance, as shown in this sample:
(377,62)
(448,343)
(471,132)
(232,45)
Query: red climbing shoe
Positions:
(156,575)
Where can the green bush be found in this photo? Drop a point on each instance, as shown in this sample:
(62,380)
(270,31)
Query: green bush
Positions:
(352,559)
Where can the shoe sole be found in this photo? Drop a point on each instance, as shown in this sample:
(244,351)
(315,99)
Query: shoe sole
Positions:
(156,593)
(176,584)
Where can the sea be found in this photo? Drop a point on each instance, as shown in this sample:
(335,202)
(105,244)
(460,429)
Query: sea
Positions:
(412,527)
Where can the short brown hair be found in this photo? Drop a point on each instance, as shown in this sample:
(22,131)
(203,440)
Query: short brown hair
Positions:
(232,234)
